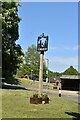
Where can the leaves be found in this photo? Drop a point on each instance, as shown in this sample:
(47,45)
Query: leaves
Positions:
(12,53)
(70,71)
(32,62)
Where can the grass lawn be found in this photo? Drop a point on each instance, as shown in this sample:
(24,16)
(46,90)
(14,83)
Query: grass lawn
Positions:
(29,83)
(16,104)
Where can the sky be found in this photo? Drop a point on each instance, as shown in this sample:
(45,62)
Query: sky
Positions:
(58,20)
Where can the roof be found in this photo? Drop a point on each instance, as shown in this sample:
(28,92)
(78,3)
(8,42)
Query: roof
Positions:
(70,77)
(53,80)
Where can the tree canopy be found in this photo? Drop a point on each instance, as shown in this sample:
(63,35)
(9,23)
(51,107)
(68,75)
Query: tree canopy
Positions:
(54,74)
(11,52)
(70,71)
(32,62)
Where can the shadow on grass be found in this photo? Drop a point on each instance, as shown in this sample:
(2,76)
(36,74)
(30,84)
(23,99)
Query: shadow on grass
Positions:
(9,86)
(12,80)
(12,83)
(76,116)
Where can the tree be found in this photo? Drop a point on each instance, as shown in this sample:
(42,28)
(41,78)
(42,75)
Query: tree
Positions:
(70,71)
(32,62)
(54,74)
(11,52)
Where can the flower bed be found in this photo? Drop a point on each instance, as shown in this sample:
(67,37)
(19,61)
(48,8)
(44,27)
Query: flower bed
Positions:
(36,99)
(46,100)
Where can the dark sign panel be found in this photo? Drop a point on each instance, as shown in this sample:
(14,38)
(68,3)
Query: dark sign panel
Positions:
(42,43)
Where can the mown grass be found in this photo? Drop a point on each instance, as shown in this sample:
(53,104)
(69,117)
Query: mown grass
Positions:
(79,92)
(16,104)
(29,83)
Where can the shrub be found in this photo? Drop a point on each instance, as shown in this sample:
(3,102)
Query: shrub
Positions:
(35,95)
(44,96)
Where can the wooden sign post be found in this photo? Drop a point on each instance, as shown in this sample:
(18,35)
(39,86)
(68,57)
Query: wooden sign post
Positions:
(41,47)
(41,73)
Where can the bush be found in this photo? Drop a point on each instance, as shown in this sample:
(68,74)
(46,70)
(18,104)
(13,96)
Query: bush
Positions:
(35,95)
(44,96)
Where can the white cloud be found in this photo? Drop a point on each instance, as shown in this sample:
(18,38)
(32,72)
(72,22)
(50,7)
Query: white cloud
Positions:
(68,48)
(76,48)
(60,64)
(64,61)
(52,48)
(71,48)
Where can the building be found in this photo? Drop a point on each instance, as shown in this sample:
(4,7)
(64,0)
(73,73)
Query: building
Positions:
(55,81)
(70,82)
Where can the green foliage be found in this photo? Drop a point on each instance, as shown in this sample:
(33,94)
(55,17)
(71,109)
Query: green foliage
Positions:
(12,54)
(54,74)
(70,71)
(32,62)
(9,0)
(35,95)
(44,96)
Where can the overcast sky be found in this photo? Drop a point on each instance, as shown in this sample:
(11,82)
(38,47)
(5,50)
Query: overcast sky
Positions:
(58,20)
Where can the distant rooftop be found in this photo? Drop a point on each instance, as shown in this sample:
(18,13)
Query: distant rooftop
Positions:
(70,77)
